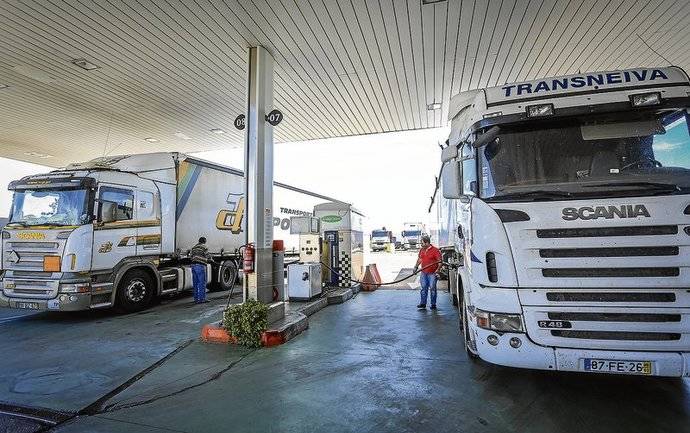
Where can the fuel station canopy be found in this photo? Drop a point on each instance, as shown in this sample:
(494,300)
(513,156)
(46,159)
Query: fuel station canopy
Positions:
(80,80)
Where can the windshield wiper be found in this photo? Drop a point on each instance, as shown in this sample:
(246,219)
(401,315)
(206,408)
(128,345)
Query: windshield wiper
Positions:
(652,186)
(534,194)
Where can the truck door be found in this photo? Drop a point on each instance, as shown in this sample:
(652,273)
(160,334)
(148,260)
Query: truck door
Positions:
(115,231)
(148,223)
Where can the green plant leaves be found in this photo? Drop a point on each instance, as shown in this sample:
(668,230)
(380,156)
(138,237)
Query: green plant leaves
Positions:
(246,322)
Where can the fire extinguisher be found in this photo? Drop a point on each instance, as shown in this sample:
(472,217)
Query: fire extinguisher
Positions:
(248,259)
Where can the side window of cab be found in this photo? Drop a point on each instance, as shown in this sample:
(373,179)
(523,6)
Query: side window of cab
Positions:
(122,203)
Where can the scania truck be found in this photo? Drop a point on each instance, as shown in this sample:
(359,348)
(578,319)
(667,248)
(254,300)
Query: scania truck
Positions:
(116,231)
(570,205)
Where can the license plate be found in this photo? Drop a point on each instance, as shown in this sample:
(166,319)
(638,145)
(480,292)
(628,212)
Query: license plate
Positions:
(616,366)
(28,305)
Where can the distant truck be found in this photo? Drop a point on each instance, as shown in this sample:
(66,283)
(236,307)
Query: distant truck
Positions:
(412,235)
(381,239)
(116,231)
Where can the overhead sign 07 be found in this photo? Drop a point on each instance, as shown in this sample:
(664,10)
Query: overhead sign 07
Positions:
(274,117)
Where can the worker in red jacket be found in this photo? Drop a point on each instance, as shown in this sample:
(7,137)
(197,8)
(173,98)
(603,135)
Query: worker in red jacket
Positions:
(430,261)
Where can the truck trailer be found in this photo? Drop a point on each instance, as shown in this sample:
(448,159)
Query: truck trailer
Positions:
(568,206)
(116,231)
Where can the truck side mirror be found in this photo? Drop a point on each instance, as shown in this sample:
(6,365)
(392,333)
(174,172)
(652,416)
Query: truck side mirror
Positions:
(451,179)
(107,212)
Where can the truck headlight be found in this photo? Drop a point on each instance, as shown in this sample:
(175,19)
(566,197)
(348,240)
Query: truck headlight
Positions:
(500,322)
(75,288)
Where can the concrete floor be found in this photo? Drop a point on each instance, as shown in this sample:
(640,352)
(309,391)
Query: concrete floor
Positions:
(375,364)
(372,364)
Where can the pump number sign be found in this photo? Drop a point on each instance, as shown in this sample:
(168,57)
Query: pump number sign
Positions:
(274,117)
(240,122)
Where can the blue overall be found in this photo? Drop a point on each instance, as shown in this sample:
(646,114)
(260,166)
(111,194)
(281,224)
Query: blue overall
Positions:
(199,280)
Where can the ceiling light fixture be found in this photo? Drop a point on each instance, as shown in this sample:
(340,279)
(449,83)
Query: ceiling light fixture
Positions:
(430,2)
(182,135)
(38,155)
(151,140)
(434,106)
(217,131)
(85,64)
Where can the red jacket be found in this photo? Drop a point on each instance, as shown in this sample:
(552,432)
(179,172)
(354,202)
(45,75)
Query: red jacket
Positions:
(430,256)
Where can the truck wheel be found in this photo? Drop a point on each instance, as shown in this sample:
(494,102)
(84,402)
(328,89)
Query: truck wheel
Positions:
(135,291)
(227,275)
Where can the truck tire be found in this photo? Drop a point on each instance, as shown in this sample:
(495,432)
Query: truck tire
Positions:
(135,291)
(227,275)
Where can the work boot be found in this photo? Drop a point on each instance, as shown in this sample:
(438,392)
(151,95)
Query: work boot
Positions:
(421,306)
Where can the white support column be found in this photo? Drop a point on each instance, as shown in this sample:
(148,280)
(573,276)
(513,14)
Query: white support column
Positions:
(258,174)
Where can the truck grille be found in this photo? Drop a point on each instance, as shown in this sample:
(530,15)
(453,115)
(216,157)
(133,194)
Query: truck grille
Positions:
(610,297)
(608,252)
(608,231)
(609,328)
(609,272)
(613,335)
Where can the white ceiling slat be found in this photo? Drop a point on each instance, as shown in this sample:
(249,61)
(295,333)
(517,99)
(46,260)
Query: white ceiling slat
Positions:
(414,20)
(479,12)
(329,90)
(360,30)
(402,31)
(286,66)
(344,13)
(333,68)
(506,26)
(582,21)
(440,30)
(453,20)
(605,16)
(622,28)
(486,41)
(635,47)
(428,13)
(527,22)
(351,57)
(381,15)
(670,44)
(552,37)
(339,60)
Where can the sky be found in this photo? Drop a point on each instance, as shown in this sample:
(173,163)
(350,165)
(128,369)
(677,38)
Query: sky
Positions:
(389,177)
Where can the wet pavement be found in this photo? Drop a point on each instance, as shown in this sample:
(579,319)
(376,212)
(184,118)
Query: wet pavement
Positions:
(372,364)
(376,364)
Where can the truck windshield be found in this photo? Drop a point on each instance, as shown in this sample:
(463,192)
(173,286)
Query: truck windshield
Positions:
(49,207)
(411,233)
(588,157)
(379,234)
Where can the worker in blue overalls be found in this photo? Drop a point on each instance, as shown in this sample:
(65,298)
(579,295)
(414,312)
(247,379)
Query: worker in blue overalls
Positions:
(200,258)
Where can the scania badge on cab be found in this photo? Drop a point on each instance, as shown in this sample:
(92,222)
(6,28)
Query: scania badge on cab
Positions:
(116,231)
(569,199)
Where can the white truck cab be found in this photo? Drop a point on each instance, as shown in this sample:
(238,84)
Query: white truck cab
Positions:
(571,209)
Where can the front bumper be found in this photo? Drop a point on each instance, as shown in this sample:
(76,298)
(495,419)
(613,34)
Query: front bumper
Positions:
(63,302)
(531,355)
